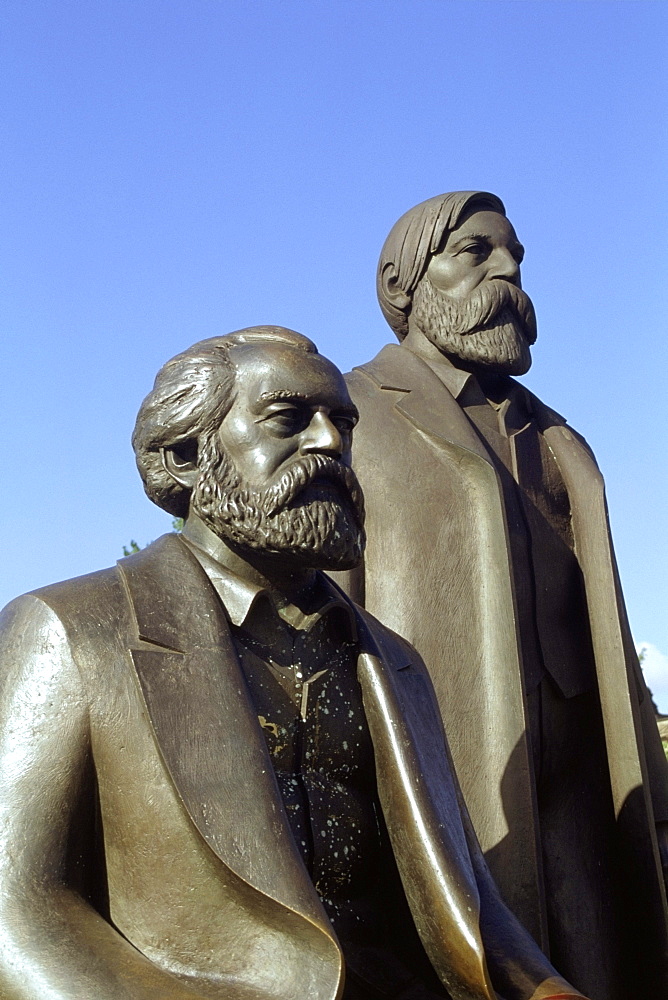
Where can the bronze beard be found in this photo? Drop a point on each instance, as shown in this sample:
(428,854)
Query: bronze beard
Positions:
(493,328)
(288,516)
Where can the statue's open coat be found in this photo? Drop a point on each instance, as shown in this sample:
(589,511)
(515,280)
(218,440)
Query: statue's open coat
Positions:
(135,776)
(437,572)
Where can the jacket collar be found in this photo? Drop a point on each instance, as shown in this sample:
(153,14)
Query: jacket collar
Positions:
(425,400)
(239,596)
(429,400)
(454,379)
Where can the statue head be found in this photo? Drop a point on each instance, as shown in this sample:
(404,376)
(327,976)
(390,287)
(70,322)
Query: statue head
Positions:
(252,433)
(450,271)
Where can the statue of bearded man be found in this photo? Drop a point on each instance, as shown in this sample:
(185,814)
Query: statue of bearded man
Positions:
(219,779)
(488,549)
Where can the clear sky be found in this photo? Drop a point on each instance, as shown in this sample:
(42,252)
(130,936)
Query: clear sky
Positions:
(172,170)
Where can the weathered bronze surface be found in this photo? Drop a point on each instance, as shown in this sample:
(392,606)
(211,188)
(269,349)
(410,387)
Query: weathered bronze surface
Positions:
(489,550)
(221,779)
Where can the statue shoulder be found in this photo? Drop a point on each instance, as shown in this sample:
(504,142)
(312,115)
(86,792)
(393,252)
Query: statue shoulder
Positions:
(37,665)
(368,385)
(100,595)
(548,418)
(363,388)
(82,596)
(69,618)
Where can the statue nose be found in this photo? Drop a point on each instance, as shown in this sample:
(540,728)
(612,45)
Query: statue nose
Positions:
(503,265)
(322,436)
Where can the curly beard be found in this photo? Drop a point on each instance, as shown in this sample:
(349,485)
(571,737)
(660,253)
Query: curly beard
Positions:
(493,328)
(312,512)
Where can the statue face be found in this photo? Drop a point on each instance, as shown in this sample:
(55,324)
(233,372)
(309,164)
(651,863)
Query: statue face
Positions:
(484,246)
(288,403)
(469,303)
(276,477)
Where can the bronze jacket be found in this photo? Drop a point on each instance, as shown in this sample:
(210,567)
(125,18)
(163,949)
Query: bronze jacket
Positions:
(437,571)
(146,854)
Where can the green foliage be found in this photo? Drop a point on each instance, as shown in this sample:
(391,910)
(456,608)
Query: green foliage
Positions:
(177,525)
(642,655)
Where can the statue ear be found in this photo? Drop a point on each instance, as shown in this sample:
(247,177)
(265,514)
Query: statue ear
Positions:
(181,464)
(393,293)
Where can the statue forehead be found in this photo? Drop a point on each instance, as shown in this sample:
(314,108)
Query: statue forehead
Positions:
(269,367)
(485,221)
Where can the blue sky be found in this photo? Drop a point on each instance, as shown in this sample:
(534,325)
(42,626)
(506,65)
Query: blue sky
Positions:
(174,170)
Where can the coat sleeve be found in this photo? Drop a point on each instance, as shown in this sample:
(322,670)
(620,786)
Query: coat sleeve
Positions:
(53,944)
(655,758)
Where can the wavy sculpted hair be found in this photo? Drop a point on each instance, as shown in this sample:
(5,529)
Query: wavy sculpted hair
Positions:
(190,397)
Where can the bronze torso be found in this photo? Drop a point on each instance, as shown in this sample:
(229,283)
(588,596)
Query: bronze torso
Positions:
(193,746)
(458,506)
(301,673)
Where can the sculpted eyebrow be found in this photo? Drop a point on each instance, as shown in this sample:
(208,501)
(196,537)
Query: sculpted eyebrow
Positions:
(281,394)
(471,236)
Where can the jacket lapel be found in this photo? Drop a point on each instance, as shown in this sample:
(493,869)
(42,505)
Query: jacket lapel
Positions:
(425,400)
(205,725)
(420,804)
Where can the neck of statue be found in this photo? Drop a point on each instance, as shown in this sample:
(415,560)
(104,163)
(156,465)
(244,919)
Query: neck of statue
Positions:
(273,572)
(419,344)
(416,342)
(492,383)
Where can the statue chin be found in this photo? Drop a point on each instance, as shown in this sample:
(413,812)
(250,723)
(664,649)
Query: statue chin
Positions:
(500,350)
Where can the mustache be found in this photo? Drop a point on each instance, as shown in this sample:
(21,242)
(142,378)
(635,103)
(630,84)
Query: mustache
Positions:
(302,473)
(486,303)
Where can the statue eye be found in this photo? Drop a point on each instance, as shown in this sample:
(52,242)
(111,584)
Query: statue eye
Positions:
(476,249)
(344,424)
(287,419)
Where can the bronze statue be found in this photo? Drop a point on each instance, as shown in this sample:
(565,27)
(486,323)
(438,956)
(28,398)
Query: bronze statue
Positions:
(221,779)
(488,549)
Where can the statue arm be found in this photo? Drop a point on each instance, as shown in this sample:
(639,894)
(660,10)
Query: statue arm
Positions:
(657,766)
(518,967)
(53,944)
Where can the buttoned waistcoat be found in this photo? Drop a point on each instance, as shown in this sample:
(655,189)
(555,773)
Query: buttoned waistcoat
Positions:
(437,571)
(123,689)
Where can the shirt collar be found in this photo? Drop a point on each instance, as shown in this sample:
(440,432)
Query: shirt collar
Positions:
(240,596)
(465,387)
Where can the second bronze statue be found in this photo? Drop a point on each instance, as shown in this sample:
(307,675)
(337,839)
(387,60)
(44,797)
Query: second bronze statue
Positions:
(489,549)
